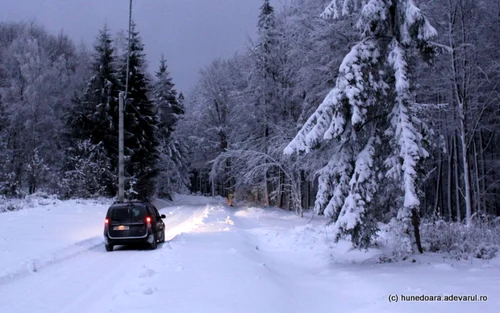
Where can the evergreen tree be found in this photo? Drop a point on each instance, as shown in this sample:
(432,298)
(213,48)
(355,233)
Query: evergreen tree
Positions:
(141,124)
(173,176)
(181,99)
(165,98)
(369,117)
(266,66)
(92,123)
(263,86)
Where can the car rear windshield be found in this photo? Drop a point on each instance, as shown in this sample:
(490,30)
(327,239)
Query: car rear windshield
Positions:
(128,214)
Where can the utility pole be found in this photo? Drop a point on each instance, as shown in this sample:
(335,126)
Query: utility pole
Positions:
(121,109)
(121,165)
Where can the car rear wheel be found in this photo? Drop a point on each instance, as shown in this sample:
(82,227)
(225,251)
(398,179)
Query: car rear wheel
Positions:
(154,244)
(109,247)
(162,238)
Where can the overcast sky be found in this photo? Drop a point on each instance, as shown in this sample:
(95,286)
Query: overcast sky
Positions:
(190,33)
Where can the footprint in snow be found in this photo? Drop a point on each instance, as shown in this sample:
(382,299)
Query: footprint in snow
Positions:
(148,291)
(34,266)
(147,273)
(135,291)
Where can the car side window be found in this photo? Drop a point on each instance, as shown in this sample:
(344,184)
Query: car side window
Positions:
(152,211)
(156,212)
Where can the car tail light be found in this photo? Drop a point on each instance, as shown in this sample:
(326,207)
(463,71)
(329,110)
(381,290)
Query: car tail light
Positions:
(106,221)
(148,220)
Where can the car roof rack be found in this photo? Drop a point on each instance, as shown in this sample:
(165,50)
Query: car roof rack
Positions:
(129,201)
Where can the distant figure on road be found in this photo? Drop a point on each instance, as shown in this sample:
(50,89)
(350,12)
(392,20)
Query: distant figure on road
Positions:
(229,199)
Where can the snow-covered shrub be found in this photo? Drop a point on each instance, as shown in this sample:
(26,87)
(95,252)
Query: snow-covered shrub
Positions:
(29,201)
(486,251)
(479,240)
(87,173)
(394,237)
(9,207)
(41,198)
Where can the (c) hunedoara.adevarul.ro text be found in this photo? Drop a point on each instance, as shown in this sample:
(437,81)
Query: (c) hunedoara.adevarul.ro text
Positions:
(437,298)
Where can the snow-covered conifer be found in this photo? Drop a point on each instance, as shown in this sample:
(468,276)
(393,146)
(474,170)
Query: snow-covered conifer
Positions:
(141,122)
(92,121)
(173,175)
(368,109)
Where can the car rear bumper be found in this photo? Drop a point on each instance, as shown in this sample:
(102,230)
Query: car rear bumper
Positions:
(149,237)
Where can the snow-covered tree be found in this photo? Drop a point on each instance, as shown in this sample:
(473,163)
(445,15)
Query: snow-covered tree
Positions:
(269,96)
(264,85)
(173,176)
(213,107)
(368,118)
(93,120)
(467,76)
(166,99)
(5,154)
(141,122)
(36,72)
(87,172)
(319,45)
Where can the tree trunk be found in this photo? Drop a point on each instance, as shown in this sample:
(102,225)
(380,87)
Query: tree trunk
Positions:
(457,181)
(436,208)
(482,173)
(280,197)
(465,164)
(415,220)
(460,95)
(266,190)
(477,195)
(450,169)
(308,193)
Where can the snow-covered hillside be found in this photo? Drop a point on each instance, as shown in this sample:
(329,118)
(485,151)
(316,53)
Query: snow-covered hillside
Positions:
(217,259)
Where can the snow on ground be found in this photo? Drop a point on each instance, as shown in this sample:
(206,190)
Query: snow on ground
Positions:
(217,259)
(48,231)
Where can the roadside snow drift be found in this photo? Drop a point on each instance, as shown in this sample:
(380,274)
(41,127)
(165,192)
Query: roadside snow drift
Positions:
(220,259)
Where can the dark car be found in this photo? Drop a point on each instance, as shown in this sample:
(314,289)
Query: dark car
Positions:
(133,222)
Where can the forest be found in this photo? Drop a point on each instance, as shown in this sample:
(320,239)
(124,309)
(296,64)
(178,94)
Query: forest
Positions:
(378,115)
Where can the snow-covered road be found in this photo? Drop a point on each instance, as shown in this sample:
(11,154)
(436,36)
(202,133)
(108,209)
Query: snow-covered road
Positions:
(50,264)
(216,259)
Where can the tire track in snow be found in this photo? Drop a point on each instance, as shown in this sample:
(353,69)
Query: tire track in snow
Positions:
(35,265)
(71,285)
